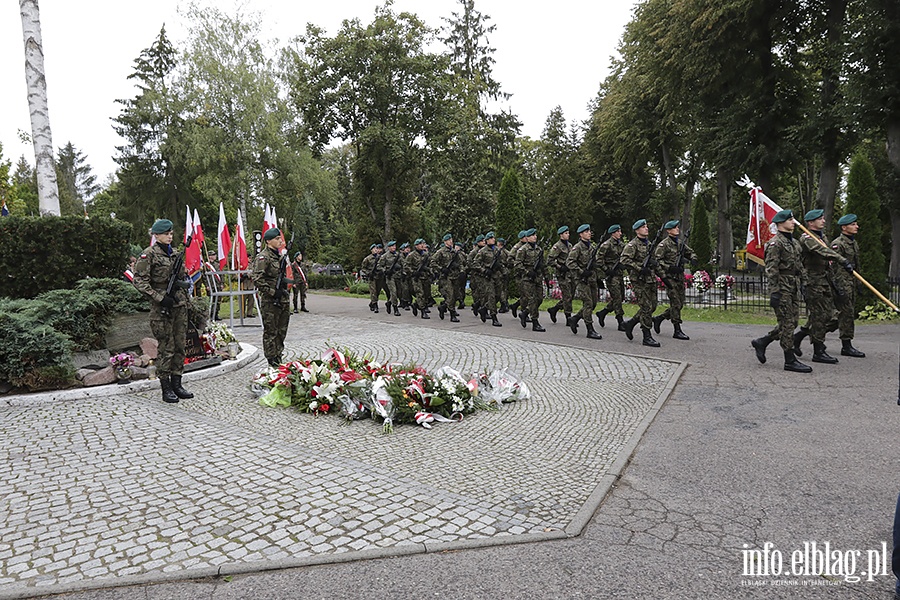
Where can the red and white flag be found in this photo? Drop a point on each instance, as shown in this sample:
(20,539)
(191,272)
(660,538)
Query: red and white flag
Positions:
(224,240)
(198,230)
(192,261)
(239,259)
(267,219)
(761,229)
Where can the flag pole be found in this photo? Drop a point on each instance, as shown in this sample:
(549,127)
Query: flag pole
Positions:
(855,274)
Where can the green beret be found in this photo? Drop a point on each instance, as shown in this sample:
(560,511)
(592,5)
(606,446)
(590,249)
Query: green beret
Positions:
(296,254)
(271,234)
(161,226)
(614,228)
(458,244)
(418,241)
(583,228)
(391,243)
(479,238)
(671,224)
(489,235)
(847,220)
(501,241)
(447,236)
(379,246)
(562,230)
(782,216)
(372,247)
(521,234)
(814,214)
(639,223)
(404,245)
(531,231)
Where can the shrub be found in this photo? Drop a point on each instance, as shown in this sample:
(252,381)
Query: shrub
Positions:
(317,281)
(33,355)
(125,296)
(83,317)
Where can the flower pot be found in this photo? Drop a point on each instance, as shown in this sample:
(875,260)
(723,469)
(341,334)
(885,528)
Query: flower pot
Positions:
(123,374)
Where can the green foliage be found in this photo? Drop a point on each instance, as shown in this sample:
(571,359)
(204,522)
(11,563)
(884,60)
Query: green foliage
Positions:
(878,312)
(83,317)
(510,219)
(124,295)
(862,199)
(33,355)
(317,281)
(41,254)
(700,239)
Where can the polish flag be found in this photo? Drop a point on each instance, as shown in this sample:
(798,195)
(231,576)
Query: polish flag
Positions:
(198,230)
(192,261)
(239,259)
(224,239)
(267,219)
(761,229)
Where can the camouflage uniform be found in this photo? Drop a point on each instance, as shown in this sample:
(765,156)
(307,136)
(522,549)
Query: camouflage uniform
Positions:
(447,264)
(819,295)
(404,284)
(373,271)
(461,277)
(845,283)
(489,269)
(643,281)
(151,277)
(273,303)
(673,277)
(531,269)
(392,263)
(507,262)
(586,288)
(608,257)
(786,276)
(301,285)
(417,269)
(556,258)
(476,281)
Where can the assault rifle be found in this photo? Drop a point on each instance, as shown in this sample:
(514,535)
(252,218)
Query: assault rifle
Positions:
(651,260)
(282,280)
(393,270)
(538,265)
(371,274)
(449,266)
(679,264)
(425,262)
(175,280)
(489,272)
(589,267)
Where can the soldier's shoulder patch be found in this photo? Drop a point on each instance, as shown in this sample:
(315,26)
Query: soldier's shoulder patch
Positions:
(835,246)
(804,235)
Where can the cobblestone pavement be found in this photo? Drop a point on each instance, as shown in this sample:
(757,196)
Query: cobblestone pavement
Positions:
(127,487)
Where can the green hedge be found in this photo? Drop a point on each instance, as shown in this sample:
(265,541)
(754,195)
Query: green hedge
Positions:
(317,281)
(33,355)
(39,254)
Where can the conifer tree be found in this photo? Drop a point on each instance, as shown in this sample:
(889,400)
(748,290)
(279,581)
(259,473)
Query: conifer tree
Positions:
(510,216)
(700,240)
(863,201)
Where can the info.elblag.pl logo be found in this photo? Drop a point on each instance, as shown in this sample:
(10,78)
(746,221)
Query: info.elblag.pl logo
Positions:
(820,562)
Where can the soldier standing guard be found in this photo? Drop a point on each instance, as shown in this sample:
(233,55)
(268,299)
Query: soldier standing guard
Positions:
(845,297)
(531,268)
(609,256)
(787,282)
(582,264)
(447,264)
(487,263)
(168,313)
(671,255)
(301,285)
(556,258)
(641,265)
(393,265)
(820,296)
(273,298)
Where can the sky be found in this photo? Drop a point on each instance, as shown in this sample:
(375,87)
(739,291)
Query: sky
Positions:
(547,55)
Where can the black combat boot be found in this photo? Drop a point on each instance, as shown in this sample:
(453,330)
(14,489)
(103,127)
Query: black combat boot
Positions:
(372,305)
(295,306)
(178,388)
(483,313)
(849,350)
(621,321)
(462,305)
(629,327)
(798,338)
(167,394)
(523,319)
(760,345)
(476,310)
(648,339)
(504,308)
(375,308)
(442,308)
(573,322)
(396,312)
(601,316)
(387,307)
(514,308)
(536,326)
(820,356)
(568,319)
(454,317)
(657,321)
(415,309)
(424,314)
(792,364)
(679,334)
(303,307)
(494,321)
(553,310)
(591,334)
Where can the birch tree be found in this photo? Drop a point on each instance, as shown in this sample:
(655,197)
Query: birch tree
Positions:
(48,192)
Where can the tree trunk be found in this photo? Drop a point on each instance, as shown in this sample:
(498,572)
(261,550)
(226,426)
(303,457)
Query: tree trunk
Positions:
(830,140)
(671,182)
(828,183)
(894,271)
(724,237)
(48,191)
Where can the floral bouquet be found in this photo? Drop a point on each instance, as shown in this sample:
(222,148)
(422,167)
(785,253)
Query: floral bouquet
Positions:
(724,282)
(702,281)
(219,334)
(123,360)
(501,387)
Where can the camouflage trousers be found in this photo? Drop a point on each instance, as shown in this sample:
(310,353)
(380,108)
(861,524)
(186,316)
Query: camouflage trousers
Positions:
(532,292)
(478,283)
(422,291)
(503,289)
(675,292)
(645,294)
(490,293)
(404,286)
(392,284)
(447,288)
(788,315)
(376,284)
(460,287)
(567,289)
(820,307)
(616,288)
(587,292)
(846,313)
(275,319)
(170,333)
(299,290)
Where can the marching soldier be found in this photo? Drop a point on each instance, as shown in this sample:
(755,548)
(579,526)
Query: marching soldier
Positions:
(787,282)
(273,300)
(819,294)
(582,263)
(404,282)
(393,266)
(417,267)
(475,278)
(447,264)
(670,254)
(556,258)
(845,245)
(514,307)
(374,274)
(506,268)
(638,259)
(609,258)
(461,276)
(168,313)
(531,268)
(487,264)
